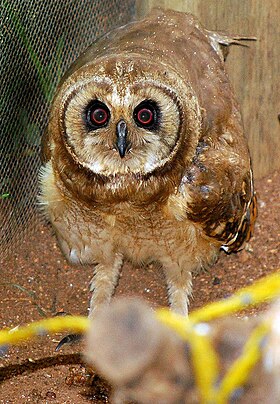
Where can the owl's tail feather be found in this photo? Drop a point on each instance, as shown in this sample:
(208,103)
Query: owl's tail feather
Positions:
(221,42)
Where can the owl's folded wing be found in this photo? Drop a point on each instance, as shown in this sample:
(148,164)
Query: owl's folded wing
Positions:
(218,196)
(245,229)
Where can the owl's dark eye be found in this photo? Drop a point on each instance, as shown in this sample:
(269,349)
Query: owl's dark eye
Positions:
(146,115)
(97,115)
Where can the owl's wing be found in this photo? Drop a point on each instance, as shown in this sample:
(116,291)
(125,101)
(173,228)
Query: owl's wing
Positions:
(245,229)
(217,194)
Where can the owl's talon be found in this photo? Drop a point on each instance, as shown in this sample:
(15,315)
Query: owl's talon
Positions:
(68,339)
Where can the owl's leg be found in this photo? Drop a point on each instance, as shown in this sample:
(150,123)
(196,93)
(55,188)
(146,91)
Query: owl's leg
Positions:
(179,295)
(179,286)
(102,287)
(103,283)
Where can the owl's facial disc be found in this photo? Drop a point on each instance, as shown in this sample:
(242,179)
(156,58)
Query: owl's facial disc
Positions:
(121,125)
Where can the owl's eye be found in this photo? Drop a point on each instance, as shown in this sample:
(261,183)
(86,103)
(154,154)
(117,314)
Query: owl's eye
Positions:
(146,115)
(97,115)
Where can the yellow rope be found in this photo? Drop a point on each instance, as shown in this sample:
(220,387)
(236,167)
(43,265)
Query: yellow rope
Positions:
(204,358)
(76,324)
(194,330)
(205,365)
(264,289)
(241,368)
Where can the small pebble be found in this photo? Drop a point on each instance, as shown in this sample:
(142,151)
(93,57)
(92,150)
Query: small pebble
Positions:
(3,350)
(216,281)
(51,395)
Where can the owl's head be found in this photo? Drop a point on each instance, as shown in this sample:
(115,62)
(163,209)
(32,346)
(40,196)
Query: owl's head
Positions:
(126,117)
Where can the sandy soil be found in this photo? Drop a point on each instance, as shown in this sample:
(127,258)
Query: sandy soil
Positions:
(37,281)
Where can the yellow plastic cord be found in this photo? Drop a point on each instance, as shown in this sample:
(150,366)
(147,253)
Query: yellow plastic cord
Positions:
(241,368)
(76,324)
(205,365)
(178,323)
(204,358)
(202,350)
(263,290)
(192,329)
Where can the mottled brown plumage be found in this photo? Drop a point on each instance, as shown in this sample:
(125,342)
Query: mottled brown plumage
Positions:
(146,157)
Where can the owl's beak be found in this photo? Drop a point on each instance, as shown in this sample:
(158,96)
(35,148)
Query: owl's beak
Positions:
(122,143)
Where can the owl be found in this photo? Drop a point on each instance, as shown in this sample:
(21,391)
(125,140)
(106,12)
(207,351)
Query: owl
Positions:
(145,157)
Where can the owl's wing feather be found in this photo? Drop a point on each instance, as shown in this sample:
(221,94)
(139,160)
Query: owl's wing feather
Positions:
(218,195)
(245,230)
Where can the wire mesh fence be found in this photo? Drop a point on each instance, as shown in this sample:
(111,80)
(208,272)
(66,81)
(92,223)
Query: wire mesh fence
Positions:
(39,40)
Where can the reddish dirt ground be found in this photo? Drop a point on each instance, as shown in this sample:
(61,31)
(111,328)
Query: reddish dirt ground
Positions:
(37,281)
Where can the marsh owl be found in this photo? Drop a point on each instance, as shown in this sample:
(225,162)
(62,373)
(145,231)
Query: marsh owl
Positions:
(145,155)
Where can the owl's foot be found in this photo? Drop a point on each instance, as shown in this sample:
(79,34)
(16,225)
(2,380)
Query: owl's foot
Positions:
(103,283)
(179,287)
(179,301)
(69,339)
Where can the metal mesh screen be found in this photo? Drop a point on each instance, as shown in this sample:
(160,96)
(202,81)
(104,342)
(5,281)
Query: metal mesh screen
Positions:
(39,40)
